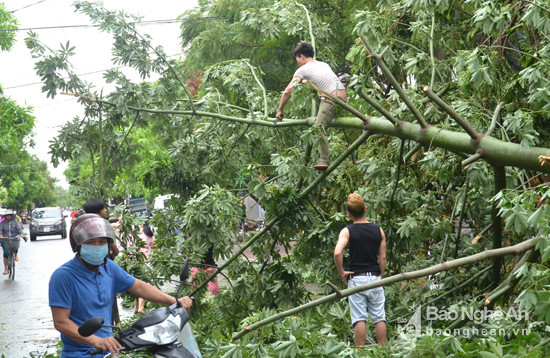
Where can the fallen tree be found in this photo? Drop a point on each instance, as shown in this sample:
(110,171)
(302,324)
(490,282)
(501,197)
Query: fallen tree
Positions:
(445,266)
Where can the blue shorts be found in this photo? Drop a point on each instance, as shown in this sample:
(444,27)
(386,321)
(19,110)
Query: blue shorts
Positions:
(5,252)
(372,300)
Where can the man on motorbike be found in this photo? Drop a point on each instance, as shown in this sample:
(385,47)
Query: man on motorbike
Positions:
(85,287)
(9,228)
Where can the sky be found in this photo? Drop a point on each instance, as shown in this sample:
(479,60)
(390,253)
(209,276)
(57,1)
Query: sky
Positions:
(54,21)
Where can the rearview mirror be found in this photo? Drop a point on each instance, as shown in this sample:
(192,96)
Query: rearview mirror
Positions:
(90,326)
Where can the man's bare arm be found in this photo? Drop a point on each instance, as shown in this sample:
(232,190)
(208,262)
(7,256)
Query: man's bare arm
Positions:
(382,254)
(63,323)
(153,294)
(343,240)
(286,96)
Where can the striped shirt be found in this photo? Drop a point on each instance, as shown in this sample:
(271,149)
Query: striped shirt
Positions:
(321,74)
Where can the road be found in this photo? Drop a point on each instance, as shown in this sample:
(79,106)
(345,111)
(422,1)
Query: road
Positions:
(25,318)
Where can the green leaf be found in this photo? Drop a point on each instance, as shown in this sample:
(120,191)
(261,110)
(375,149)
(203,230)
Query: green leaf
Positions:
(534,218)
(485,354)
(496,348)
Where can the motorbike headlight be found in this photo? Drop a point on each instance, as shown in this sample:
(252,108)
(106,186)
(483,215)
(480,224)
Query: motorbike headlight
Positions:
(164,332)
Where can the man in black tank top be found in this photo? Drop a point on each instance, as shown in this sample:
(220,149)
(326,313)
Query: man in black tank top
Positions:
(366,263)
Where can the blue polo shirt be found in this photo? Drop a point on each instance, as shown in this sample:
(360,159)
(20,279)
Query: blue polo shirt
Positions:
(88,294)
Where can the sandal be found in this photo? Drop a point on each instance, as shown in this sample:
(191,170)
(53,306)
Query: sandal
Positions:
(5,272)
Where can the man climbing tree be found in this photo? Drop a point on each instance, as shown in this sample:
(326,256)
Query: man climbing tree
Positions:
(367,262)
(322,75)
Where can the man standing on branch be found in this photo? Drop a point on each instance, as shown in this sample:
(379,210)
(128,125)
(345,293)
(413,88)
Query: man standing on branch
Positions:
(367,262)
(322,75)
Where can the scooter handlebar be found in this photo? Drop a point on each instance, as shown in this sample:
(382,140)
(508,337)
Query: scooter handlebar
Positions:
(95,351)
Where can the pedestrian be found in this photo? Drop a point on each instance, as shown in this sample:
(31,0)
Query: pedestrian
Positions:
(18,219)
(148,237)
(85,287)
(322,75)
(367,263)
(207,267)
(23,216)
(97,206)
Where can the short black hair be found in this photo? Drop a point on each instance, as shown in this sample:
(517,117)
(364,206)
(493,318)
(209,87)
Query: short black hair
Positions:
(147,230)
(94,206)
(305,49)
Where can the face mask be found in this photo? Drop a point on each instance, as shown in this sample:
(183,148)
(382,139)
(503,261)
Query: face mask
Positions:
(94,255)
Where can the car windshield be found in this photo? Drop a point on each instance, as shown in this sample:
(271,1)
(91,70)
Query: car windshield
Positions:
(46,214)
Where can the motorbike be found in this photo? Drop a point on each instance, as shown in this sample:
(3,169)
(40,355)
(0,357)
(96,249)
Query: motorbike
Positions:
(158,331)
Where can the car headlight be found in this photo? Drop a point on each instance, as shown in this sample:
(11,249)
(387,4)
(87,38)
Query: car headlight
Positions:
(164,332)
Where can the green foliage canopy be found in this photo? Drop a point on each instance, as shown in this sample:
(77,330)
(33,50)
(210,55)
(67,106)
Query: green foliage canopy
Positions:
(477,54)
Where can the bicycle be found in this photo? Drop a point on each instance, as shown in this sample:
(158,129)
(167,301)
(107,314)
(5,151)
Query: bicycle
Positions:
(12,245)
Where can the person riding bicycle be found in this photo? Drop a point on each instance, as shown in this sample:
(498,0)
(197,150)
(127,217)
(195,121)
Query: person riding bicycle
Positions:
(9,228)
(85,287)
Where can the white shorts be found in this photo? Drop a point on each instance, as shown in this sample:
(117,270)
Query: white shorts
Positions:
(372,300)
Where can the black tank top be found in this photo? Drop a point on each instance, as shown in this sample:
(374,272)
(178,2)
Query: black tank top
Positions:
(364,242)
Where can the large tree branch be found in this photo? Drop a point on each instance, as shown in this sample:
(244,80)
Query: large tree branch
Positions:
(495,151)
(377,106)
(479,152)
(511,250)
(511,281)
(451,112)
(452,290)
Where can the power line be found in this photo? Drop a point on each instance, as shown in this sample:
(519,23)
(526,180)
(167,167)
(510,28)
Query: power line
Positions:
(39,83)
(24,7)
(139,23)
(79,74)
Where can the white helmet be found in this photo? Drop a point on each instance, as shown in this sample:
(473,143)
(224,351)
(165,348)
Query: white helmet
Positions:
(89,226)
